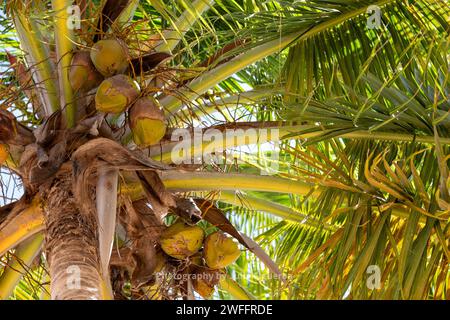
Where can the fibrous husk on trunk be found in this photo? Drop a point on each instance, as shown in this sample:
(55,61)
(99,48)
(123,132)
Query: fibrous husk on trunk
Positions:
(71,244)
(71,219)
(143,226)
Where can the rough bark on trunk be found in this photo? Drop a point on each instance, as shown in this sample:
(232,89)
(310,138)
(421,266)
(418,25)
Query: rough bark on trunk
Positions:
(71,245)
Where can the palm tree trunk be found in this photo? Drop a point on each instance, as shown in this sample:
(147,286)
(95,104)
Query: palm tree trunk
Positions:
(71,245)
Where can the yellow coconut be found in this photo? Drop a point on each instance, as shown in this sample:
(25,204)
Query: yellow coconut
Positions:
(116,93)
(181,240)
(110,56)
(204,280)
(82,74)
(3,153)
(147,122)
(220,250)
(203,288)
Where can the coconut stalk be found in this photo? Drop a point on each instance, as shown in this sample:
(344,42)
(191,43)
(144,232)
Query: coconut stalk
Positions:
(22,226)
(37,54)
(64,41)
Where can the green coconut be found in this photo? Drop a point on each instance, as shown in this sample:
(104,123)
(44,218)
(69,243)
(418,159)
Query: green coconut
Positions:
(147,122)
(116,93)
(82,74)
(181,240)
(110,57)
(220,250)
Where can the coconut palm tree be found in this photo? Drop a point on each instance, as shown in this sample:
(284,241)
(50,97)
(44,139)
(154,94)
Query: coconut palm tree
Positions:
(327,131)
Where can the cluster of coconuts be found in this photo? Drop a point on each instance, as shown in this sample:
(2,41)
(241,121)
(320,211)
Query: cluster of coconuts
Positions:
(104,67)
(183,241)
